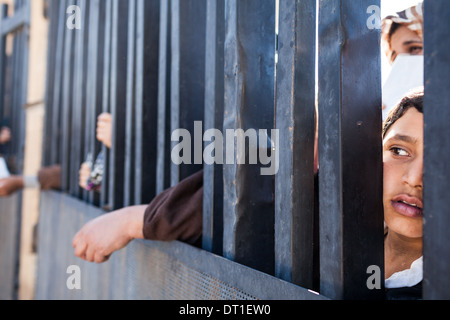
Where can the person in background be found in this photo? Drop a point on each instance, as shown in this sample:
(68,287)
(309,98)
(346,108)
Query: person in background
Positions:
(403,33)
(48,178)
(104,135)
(175,214)
(5,135)
(403,150)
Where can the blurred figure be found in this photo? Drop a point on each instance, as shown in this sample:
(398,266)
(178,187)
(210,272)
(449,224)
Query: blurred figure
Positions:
(5,135)
(104,135)
(104,129)
(46,179)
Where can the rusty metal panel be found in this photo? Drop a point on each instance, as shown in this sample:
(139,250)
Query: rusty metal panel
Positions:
(350,174)
(249,104)
(294,184)
(436,284)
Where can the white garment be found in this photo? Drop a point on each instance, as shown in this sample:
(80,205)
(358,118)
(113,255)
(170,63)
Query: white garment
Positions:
(406,278)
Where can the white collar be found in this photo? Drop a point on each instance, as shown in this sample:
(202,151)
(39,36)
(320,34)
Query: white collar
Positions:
(406,278)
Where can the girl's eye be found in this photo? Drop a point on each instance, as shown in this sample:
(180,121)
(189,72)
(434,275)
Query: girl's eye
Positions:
(399,152)
(416,50)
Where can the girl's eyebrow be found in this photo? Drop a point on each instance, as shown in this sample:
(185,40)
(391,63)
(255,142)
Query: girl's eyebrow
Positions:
(406,43)
(403,138)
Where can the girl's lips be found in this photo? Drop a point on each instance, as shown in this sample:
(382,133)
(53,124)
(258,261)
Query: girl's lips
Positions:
(408,206)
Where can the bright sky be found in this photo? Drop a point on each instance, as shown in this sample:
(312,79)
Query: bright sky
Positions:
(392,6)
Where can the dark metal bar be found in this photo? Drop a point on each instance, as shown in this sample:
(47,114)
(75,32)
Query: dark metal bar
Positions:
(187,77)
(66,105)
(147,58)
(164,92)
(214,100)
(118,101)
(78,115)
(3,60)
(128,187)
(436,284)
(50,109)
(24,34)
(295,120)
(94,87)
(106,96)
(58,92)
(249,104)
(350,178)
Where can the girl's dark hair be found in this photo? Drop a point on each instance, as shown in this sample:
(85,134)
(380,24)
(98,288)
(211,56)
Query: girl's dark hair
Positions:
(412,100)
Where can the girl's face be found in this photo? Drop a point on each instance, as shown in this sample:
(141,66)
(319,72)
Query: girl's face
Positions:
(403,171)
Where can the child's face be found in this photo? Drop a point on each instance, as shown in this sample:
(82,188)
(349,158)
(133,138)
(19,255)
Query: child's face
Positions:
(403,171)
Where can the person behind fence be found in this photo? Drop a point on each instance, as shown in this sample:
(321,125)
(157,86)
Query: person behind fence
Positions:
(175,214)
(403,148)
(403,33)
(48,178)
(402,38)
(5,135)
(104,135)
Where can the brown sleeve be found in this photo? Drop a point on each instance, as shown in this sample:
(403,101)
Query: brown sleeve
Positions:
(50,177)
(176,214)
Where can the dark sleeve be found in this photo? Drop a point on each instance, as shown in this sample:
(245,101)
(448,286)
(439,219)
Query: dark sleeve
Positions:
(407,293)
(176,214)
(50,177)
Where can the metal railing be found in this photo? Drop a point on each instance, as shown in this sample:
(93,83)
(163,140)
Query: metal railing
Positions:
(159,66)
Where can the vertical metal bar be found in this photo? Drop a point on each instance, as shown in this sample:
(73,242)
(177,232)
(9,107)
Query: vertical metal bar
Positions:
(138,102)
(49,135)
(106,96)
(66,108)
(214,99)
(104,198)
(146,93)
(77,113)
(25,34)
(57,92)
(295,120)
(3,13)
(249,104)
(187,77)
(93,87)
(165,61)
(350,178)
(118,101)
(128,187)
(15,75)
(436,284)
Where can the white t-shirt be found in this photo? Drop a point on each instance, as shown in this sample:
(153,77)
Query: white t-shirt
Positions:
(406,278)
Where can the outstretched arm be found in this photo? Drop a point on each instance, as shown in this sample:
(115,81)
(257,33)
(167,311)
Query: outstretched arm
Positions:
(101,237)
(175,214)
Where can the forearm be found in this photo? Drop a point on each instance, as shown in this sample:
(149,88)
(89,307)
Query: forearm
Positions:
(133,218)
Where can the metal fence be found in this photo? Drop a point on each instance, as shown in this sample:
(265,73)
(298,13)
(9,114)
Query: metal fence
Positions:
(158,66)
(14,32)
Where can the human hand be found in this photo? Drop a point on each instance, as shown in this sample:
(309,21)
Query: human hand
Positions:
(10,185)
(5,135)
(104,129)
(84,174)
(101,237)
